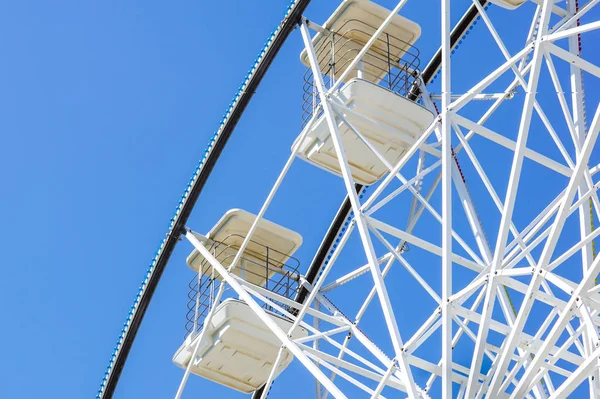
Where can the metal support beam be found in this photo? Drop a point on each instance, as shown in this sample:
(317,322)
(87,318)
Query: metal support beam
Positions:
(447,163)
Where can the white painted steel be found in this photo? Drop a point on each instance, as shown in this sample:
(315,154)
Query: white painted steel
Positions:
(447,163)
(526,310)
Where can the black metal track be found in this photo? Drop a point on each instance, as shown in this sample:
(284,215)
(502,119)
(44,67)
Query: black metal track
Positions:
(285,28)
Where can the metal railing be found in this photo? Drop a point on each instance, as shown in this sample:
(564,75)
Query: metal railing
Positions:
(280,278)
(380,64)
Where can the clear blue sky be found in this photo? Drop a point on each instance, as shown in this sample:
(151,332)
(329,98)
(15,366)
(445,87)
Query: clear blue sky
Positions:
(105,108)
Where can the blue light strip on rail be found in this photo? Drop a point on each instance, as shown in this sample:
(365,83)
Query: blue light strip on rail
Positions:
(192,180)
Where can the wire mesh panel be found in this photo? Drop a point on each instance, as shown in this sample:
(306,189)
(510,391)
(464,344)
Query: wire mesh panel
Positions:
(275,276)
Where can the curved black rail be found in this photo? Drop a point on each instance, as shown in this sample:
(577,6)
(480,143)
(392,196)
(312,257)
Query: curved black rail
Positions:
(177,227)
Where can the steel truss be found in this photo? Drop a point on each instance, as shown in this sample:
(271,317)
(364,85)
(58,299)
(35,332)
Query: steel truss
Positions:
(522,288)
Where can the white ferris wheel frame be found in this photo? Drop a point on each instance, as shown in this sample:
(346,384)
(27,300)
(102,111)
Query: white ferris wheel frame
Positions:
(497,266)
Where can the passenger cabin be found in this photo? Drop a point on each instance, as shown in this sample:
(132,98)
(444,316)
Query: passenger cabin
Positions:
(265,255)
(237,349)
(508,4)
(379,91)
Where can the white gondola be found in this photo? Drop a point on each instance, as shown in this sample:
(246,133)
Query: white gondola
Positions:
(388,121)
(509,4)
(237,349)
(271,245)
(348,21)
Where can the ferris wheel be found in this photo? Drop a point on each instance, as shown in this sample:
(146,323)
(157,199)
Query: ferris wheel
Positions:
(462,261)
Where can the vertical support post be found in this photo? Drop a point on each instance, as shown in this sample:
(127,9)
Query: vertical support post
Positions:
(316,346)
(585,220)
(446,206)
